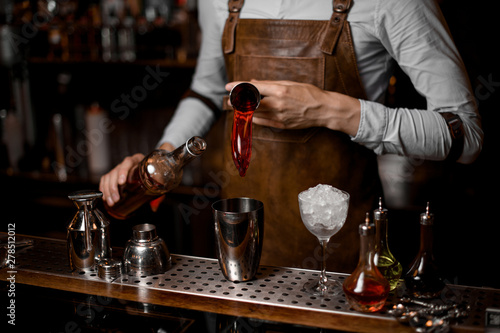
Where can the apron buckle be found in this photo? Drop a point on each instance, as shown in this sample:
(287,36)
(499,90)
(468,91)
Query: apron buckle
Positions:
(341,6)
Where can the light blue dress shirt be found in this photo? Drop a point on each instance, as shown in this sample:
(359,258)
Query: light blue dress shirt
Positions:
(412,33)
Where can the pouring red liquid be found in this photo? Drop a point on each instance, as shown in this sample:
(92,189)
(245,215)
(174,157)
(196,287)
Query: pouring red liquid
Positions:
(245,99)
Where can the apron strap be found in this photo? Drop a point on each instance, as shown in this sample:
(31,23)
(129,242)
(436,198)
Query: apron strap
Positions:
(234,8)
(339,15)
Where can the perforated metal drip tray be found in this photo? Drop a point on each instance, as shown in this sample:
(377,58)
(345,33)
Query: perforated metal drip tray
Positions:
(273,286)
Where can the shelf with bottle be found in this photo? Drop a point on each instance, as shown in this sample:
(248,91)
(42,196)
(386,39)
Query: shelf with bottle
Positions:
(107,31)
(162,63)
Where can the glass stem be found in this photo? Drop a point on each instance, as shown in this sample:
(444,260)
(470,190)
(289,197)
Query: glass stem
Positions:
(323,279)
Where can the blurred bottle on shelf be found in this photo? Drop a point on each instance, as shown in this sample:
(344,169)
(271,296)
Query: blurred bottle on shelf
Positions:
(4,152)
(12,137)
(111,12)
(111,30)
(97,138)
(126,39)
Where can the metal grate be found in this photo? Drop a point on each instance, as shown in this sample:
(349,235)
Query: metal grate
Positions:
(281,287)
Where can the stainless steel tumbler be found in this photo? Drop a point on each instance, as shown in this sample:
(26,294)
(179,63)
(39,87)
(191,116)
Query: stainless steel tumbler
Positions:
(239,233)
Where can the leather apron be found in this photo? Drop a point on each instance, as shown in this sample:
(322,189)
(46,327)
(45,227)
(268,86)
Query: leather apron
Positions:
(286,162)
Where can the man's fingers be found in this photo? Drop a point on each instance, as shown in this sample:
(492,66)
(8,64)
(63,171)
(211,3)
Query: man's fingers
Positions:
(118,176)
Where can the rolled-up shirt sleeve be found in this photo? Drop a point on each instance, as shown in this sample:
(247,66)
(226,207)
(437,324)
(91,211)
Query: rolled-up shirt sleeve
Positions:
(193,117)
(412,33)
(416,36)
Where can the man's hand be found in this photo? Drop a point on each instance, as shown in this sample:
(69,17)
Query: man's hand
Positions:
(293,105)
(118,176)
(109,183)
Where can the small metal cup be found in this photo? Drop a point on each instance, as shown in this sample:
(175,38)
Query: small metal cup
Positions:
(245,97)
(109,269)
(239,232)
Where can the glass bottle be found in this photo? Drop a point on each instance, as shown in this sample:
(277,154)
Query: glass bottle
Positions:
(423,279)
(366,289)
(385,261)
(158,173)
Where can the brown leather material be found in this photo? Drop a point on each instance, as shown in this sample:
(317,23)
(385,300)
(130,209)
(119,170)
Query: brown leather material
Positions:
(211,105)
(336,72)
(231,22)
(286,162)
(337,22)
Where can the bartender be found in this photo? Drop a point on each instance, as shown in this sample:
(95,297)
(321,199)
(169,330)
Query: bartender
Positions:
(323,67)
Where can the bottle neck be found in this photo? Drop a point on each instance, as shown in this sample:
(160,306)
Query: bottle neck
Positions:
(426,238)
(194,147)
(161,170)
(181,155)
(381,233)
(367,250)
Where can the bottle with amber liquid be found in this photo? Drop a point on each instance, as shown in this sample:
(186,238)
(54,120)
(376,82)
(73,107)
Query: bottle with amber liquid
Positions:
(366,289)
(423,279)
(158,173)
(385,261)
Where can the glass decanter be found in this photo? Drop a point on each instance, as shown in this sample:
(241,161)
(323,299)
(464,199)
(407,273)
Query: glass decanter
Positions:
(366,289)
(385,261)
(423,279)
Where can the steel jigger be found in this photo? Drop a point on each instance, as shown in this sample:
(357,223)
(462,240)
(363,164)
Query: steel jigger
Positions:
(239,232)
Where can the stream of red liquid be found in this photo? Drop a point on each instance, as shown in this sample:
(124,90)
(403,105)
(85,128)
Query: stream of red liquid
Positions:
(241,140)
(244,103)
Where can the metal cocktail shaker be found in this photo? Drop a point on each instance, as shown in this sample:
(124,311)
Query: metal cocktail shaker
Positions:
(146,253)
(88,232)
(239,233)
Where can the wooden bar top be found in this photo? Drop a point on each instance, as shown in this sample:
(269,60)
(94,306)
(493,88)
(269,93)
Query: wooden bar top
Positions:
(197,284)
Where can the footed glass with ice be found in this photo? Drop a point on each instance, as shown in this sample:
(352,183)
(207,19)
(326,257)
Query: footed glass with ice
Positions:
(323,210)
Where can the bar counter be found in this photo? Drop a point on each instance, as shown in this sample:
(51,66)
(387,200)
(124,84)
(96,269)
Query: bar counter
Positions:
(195,283)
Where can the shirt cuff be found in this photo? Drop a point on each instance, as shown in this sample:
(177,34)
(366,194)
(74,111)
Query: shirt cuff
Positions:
(372,125)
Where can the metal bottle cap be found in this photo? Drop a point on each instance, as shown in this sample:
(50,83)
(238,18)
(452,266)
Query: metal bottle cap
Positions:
(196,145)
(109,269)
(367,228)
(380,213)
(427,218)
